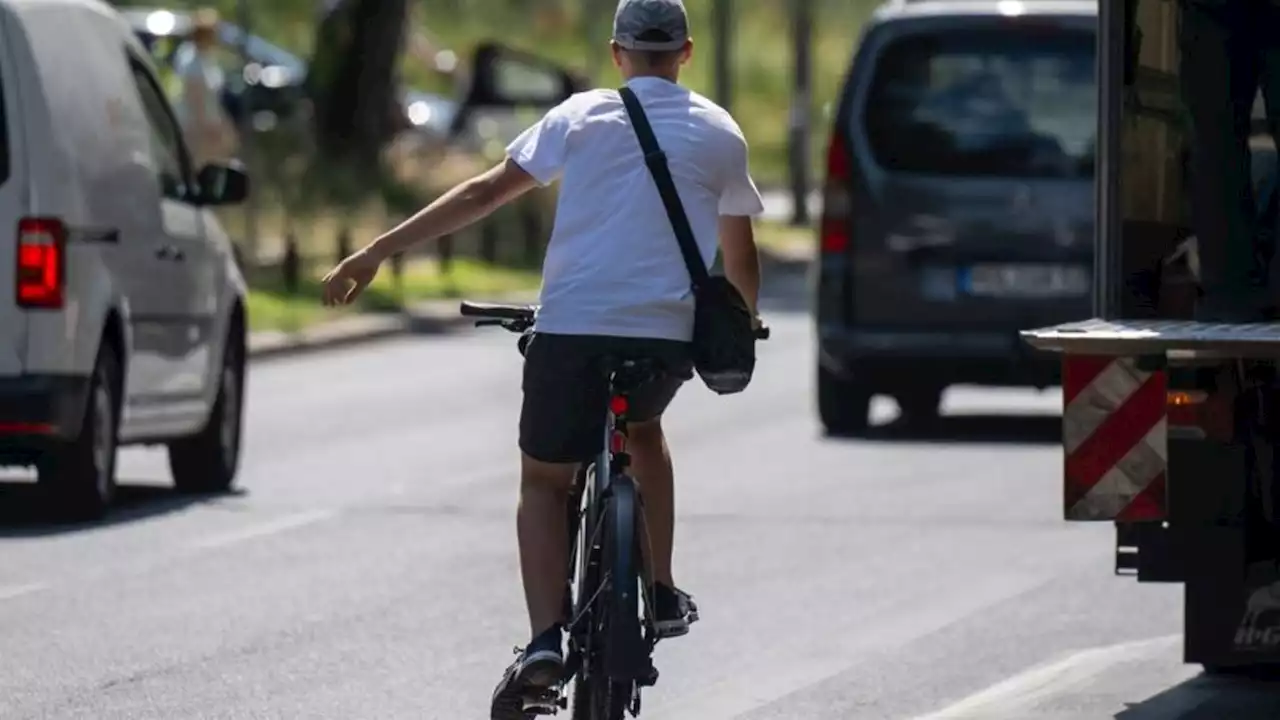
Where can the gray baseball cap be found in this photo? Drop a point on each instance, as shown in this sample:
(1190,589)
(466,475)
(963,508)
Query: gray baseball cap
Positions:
(658,25)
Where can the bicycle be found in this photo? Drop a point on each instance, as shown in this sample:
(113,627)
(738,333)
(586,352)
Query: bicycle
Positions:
(611,641)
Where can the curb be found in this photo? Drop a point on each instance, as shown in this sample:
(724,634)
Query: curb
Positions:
(429,318)
(273,345)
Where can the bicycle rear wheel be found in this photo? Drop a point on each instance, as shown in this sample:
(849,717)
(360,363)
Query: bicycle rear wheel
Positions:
(616,656)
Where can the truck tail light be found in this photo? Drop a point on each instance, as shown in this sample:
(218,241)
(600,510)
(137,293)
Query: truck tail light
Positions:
(41,263)
(1199,415)
(836,208)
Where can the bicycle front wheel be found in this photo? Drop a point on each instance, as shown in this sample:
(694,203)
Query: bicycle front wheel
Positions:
(617,656)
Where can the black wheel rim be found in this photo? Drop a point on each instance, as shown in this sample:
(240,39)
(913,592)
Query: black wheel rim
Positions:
(102,426)
(229,422)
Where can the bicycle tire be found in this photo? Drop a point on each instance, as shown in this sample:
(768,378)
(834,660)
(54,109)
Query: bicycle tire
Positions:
(615,624)
(573,521)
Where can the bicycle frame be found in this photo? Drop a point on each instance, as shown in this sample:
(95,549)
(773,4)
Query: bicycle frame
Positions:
(604,486)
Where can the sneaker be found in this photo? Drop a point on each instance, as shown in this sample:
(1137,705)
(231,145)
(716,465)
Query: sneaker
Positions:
(673,611)
(538,668)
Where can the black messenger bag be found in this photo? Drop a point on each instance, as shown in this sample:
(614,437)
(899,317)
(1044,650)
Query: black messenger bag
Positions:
(724,335)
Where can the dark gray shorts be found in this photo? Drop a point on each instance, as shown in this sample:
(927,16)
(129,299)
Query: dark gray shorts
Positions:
(566,392)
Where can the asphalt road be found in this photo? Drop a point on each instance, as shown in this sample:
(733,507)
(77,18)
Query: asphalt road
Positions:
(367,570)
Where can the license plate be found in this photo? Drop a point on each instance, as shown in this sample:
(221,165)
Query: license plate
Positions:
(1027,281)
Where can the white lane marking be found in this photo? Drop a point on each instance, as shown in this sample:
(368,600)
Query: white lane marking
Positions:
(273,527)
(1017,696)
(16,591)
(782,672)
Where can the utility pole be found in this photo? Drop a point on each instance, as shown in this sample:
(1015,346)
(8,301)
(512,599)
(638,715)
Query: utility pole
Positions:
(801,109)
(722,65)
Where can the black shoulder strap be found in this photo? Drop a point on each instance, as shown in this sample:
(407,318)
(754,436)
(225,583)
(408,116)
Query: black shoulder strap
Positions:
(656,159)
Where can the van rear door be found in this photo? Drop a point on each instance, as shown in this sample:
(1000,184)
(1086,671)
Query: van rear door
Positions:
(977,140)
(13,320)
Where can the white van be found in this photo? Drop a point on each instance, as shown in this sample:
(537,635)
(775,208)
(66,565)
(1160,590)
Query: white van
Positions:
(125,323)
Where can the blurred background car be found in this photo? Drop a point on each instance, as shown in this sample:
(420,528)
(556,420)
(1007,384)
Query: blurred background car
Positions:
(273,82)
(958,205)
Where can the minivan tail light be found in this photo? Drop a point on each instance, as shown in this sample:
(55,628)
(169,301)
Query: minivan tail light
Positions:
(41,265)
(835,197)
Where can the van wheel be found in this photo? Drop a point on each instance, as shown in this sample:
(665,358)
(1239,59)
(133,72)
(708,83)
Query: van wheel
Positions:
(207,462)
(79,477)
(844,406)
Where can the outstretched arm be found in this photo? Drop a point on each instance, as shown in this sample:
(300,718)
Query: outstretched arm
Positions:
(466,203)
(534,158)
(451,212)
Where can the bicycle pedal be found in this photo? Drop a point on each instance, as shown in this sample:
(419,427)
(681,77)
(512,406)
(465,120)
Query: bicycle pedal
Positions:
(547,702)
(649,680)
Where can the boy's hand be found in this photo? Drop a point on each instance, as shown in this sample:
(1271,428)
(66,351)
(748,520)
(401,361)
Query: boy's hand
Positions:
(345,282)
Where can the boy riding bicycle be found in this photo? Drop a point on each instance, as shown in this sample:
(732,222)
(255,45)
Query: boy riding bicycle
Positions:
(614,281)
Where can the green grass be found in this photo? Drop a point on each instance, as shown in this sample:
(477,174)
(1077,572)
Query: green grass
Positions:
(564,31)
(271,307)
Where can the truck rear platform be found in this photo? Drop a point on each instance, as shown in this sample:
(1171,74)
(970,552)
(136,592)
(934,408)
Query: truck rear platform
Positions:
(1169,430)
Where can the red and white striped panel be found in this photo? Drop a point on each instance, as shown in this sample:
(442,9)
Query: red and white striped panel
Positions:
(1115,434)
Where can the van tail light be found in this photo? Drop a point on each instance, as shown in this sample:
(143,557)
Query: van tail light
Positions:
(836,209)
(1196,414)
(41,266)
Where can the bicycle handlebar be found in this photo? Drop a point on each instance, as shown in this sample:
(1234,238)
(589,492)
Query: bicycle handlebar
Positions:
(519,318)
(516,318)
(497,311)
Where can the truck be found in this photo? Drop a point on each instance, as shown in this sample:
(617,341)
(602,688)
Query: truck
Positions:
(1171,415)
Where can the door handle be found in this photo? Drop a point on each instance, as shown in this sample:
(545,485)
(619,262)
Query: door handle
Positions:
(170,252)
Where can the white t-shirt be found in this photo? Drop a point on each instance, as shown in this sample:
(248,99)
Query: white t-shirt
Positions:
(613,266)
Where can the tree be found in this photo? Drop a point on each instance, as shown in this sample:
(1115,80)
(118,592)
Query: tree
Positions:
(353,80)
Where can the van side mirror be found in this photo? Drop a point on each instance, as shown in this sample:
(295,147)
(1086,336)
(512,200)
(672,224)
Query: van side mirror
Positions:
(222,184)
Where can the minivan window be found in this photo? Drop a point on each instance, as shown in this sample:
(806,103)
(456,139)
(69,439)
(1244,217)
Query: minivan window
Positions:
(985,102)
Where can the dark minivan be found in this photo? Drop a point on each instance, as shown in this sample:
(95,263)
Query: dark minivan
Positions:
(958,205)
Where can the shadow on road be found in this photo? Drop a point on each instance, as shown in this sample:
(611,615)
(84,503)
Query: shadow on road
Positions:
(1008,429)
(1212,697)
(24,513)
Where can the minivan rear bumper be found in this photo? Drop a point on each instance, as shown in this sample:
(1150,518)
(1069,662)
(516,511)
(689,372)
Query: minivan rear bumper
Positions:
(38,409)
(884,359)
